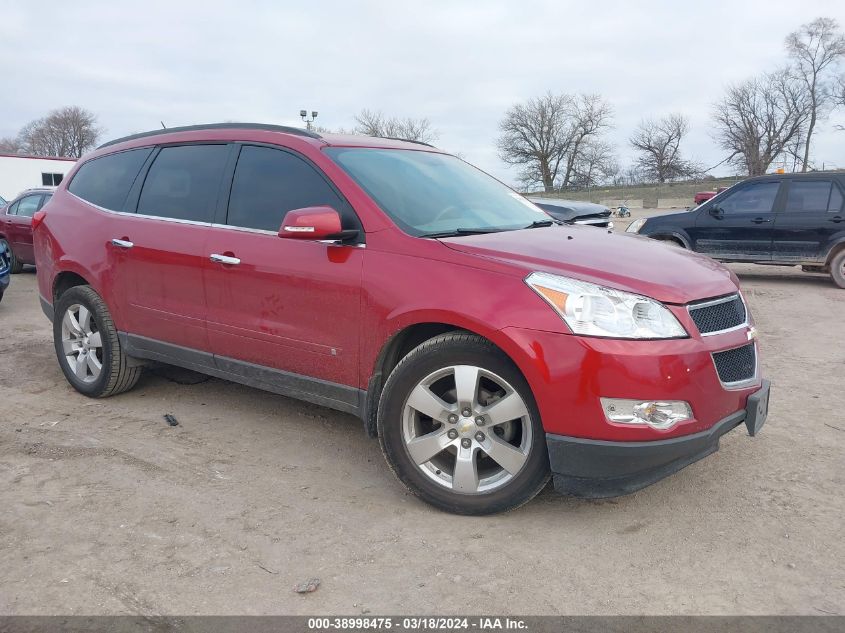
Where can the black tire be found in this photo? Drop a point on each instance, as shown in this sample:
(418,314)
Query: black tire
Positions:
(1,296)
(837,269)
(15,265)
(459,348)
(119,372)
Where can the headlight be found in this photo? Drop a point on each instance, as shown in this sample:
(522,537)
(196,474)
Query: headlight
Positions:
(594,310)
(635,226)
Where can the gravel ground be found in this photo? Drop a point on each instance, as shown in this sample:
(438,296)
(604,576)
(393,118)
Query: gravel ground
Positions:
(105,509)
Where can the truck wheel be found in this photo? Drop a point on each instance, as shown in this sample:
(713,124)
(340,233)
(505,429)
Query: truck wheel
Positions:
(87,346)
(837,269)
(459,427)
(15,266)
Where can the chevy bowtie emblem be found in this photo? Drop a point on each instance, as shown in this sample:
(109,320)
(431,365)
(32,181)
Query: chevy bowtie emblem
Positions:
(752,333)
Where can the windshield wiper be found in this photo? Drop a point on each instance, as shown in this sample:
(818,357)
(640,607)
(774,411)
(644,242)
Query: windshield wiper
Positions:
(538,224)
(460,231)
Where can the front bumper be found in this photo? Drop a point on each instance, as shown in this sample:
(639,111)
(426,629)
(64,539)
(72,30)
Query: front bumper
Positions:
(599,468)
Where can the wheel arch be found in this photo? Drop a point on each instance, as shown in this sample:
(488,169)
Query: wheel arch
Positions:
(399,344)
(672,235)
(837,247)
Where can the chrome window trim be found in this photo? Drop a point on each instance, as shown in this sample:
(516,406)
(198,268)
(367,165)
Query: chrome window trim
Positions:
(213,225)
(713,302)
(140,215)
(738,384)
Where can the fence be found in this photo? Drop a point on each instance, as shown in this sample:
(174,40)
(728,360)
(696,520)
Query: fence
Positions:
(649,196)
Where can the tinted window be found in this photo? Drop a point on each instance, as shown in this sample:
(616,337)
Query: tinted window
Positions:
(106,181)
(183,181)
(27,206)
(430,193)
(268,183)
(812,195)
(835,204)
(756,198)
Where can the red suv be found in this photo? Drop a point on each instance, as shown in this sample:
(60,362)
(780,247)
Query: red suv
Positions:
(485,345)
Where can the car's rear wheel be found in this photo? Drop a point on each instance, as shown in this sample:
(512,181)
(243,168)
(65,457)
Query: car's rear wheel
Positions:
(15,265)
(87,345)
(837,269)
(459,427)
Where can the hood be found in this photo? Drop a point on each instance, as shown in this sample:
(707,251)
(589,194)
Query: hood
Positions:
(568,210)
(623,261)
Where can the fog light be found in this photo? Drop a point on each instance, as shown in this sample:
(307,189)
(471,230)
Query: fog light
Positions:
(656,414)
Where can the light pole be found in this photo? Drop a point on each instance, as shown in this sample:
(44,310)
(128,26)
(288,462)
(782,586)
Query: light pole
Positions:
(308,122)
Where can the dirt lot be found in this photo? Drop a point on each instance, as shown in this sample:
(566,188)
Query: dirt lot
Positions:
(104,508)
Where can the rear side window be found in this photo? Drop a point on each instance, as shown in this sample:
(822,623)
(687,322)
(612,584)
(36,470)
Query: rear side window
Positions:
(755,198)
(809,196)
(183,182)
(268,183)
(26,207)
(835,204)
(106,181)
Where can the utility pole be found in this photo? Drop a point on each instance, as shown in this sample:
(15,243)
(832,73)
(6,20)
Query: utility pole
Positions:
(308,122)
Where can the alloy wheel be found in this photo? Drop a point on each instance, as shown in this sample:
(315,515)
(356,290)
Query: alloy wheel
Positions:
(467,429)
(82,343)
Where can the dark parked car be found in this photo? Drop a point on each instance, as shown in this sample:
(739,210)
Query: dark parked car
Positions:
(781,219)
(576,212)
(5,261)
(16,225)
(487,347)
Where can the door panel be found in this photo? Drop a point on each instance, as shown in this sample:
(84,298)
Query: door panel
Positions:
(19,226)
(739,226)
(159,253)
(285,304)
(812,214)
(289,305)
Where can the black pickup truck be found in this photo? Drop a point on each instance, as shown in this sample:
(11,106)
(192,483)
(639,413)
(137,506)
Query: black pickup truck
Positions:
(778,219)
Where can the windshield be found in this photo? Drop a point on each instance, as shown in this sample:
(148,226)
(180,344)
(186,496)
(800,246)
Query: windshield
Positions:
(430,194)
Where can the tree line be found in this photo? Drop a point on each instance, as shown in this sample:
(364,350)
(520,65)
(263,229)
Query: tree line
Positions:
(558,140)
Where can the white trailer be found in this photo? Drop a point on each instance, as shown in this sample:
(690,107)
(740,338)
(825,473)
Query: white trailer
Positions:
(19,172)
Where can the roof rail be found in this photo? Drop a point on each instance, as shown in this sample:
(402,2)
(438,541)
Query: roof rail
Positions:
(216,126)
(407,140)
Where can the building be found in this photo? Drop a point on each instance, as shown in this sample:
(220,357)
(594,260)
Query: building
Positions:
(19,172)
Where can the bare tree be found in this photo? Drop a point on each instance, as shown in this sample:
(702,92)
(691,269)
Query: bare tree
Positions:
(11,145)
(66,132)
(596,164)
(546,135)
(372,123)
(658,142)
(814,48)
(757,119)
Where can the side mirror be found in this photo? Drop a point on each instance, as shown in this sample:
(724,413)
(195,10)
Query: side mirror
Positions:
(716,212)
(314,223)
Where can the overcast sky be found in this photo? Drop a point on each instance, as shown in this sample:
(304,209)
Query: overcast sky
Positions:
(461,64)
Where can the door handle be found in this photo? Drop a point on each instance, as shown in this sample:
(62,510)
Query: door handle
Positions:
(761,220)
(122,243)
(836,218)
(224,259)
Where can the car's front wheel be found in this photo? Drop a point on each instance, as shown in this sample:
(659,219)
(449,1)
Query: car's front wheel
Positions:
(87,345)
(459,427)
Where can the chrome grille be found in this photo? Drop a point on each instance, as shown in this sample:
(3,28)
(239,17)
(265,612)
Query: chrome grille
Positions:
(736,366)
(719,315)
